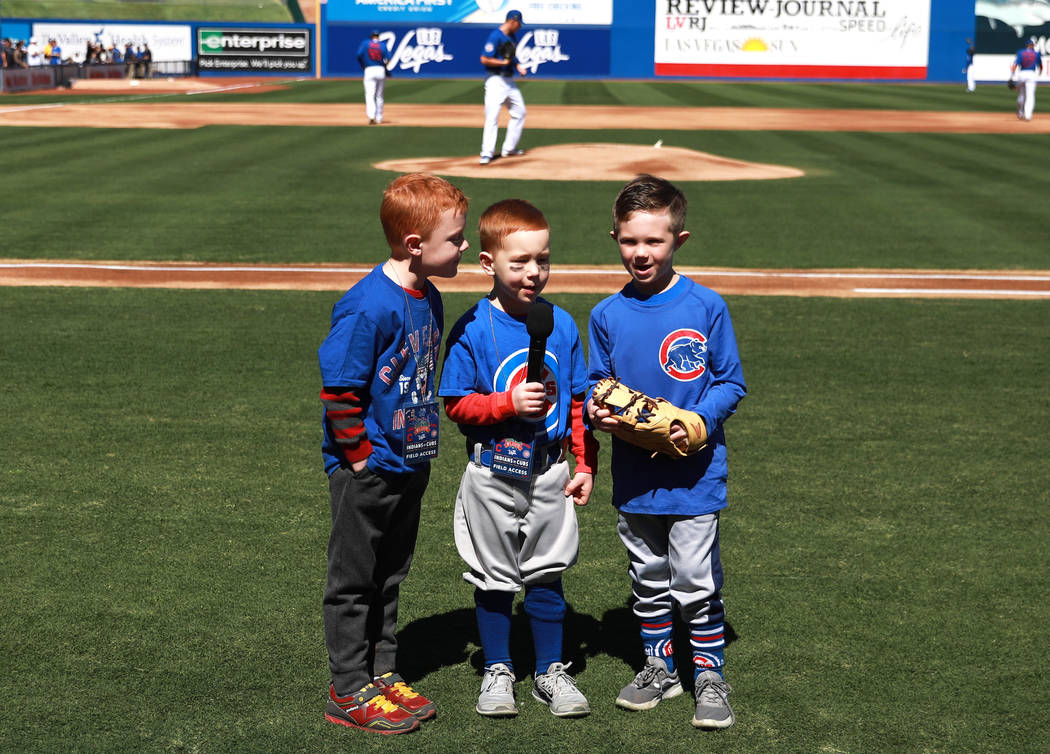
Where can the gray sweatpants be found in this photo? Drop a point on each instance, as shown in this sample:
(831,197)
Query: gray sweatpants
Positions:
(674,559)
(375,519)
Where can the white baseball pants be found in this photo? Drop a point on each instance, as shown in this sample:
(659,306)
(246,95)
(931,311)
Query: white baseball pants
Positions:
(514,533)
(500,91)
(1026,94)
(374,79)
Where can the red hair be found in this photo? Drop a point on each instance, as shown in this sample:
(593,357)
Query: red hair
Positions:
(413,203)
(506,217)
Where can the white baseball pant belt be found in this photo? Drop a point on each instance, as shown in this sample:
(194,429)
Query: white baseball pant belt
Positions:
(480,454)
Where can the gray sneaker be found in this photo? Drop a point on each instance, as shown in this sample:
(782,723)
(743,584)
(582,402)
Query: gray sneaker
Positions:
(712,706)
(557,690)
(650,686)
(497,692)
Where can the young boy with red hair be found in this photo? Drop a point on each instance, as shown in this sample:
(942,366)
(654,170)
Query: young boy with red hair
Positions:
(378,369)
(515,525)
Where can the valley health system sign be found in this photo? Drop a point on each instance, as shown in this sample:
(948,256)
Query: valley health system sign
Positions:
(253,50)
(859,39)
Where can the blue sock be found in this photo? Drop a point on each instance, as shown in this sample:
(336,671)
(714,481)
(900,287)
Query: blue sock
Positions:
(656,638)
(545,606)
(708,643)
(493,614)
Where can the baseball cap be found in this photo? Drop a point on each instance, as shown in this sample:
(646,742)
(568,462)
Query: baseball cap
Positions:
(514,15)
(374,33)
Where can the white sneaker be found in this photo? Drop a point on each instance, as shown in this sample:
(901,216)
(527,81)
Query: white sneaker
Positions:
(557,690)
(497,692)
(485,160)
(513,153)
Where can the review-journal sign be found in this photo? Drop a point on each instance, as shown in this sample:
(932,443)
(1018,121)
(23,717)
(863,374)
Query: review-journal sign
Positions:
(793,38)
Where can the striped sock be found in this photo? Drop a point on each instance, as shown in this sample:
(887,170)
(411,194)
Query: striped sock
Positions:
(708,642)
(656,638)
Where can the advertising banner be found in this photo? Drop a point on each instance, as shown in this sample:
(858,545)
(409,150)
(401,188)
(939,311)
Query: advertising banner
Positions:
(239,50)
(860,39)
(26,79)
(455,50)
(1002,28)
(548,12)
(166,41)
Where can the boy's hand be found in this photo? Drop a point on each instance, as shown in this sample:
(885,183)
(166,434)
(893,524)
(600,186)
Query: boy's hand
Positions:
(600,418)
(359,465)
(529,398)
(579,487)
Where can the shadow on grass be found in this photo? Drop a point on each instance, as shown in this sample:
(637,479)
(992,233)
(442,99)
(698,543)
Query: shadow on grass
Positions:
(450,638)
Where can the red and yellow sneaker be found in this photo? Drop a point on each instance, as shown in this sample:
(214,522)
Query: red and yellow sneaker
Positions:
(369,709)
(400,693)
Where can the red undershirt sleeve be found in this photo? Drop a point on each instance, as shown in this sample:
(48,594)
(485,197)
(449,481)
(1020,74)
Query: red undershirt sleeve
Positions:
(480,409)
(584,444)
(342,408)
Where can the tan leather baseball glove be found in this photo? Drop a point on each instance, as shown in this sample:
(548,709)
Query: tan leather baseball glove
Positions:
(647,422)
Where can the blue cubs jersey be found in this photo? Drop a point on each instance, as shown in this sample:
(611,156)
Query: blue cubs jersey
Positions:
(677,345)
(372,52)
(1028,60)
(487,352)
(491,50)
(385,344)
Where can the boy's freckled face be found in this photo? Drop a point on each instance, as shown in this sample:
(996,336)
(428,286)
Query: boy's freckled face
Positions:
(444,247)
(647,248)
(521,269)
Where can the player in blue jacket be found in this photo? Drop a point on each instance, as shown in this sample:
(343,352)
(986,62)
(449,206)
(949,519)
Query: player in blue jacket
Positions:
(1026,69)
(669,337)
(373,56)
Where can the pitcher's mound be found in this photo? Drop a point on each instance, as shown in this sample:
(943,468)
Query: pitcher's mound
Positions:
(599,162)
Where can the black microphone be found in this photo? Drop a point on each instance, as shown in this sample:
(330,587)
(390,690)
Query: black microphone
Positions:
(540,323)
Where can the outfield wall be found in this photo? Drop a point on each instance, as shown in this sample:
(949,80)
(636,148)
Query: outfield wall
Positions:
(888,40)
(826,40)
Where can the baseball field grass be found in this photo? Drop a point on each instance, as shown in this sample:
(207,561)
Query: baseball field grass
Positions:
(165,514)
(165,524)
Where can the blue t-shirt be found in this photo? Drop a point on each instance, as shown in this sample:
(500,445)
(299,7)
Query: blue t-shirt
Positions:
(491,50)
(677,345)
(385,344)
(487,352)
(372,52)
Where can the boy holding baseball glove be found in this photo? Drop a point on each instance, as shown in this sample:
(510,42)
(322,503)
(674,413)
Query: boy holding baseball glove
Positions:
(666,374)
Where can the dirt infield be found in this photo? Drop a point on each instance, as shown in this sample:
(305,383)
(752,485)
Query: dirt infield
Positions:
(182,113)
(590,161)
(566,279)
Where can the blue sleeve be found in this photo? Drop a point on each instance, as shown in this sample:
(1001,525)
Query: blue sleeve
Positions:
(598,350)
(459,374)
(344,358)
(362,57)
(727,388)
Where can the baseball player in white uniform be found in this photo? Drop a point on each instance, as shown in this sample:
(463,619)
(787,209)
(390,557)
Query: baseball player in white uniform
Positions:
(1026,68)
(500,61)
(372,56)
(515,523)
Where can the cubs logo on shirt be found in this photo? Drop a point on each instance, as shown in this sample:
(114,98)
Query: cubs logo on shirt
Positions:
(514,369)
(682,354)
